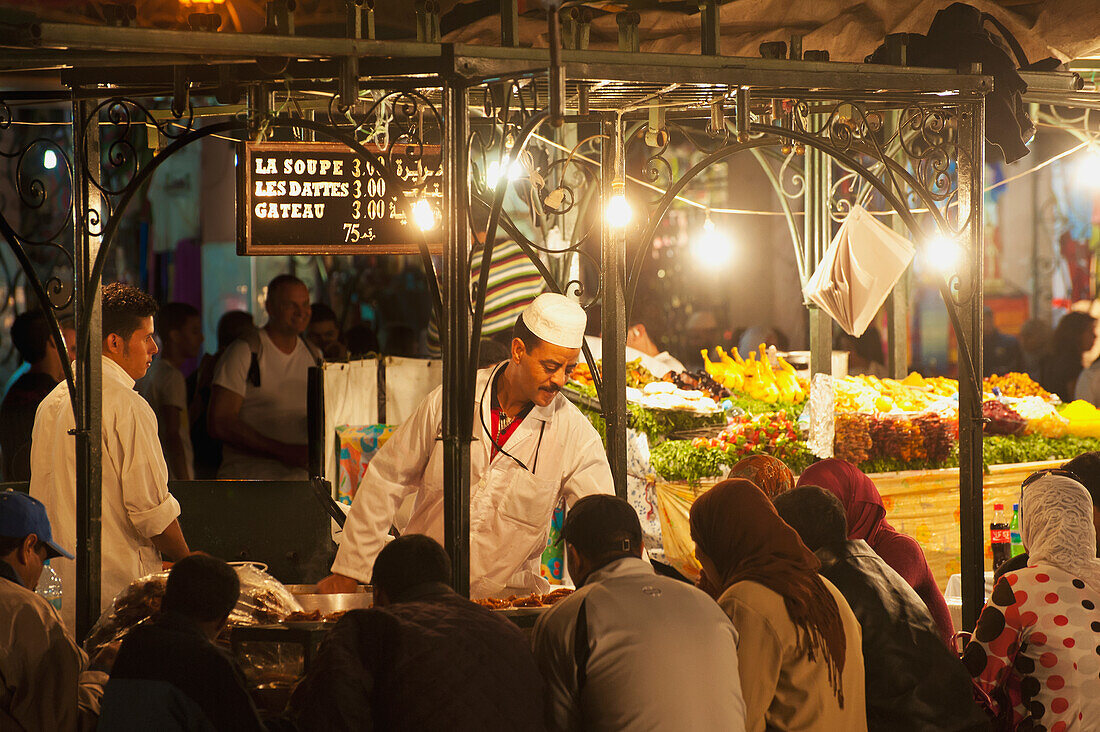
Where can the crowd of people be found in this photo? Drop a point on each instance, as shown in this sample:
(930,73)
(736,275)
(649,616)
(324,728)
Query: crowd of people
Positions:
(799,621)
(220,420)
(810,612)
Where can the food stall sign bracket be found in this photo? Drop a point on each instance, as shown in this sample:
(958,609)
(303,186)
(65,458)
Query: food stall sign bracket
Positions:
(324,198)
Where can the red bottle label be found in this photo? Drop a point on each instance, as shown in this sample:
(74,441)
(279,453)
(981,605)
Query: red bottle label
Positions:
(1000,536)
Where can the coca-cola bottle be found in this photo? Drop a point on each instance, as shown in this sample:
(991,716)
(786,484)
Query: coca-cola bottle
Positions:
(1000,536)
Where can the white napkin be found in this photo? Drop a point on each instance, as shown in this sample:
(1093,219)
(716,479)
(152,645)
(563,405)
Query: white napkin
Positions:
(864,261)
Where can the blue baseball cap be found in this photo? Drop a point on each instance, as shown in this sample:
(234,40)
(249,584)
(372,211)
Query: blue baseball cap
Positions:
(21,515)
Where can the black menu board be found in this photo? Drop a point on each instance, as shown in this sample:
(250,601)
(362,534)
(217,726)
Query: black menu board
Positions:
(324,198)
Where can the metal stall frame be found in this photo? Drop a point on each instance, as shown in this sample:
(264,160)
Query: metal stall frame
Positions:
(773,103)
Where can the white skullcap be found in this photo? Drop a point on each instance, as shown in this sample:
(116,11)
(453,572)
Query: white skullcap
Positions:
(556,319)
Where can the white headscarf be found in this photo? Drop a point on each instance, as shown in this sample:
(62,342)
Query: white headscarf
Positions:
(1056,527)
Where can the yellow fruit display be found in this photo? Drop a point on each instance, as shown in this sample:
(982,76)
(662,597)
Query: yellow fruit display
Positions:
(914,393)
(755,376)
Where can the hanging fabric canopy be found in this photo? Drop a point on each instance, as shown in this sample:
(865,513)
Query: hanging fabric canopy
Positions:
(864,261)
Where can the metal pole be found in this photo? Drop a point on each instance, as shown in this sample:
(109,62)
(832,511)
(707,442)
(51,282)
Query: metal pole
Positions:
(898,304)
(815,240)
(971,537)
(458,374)
(509,22)
(613,267)
(87,217)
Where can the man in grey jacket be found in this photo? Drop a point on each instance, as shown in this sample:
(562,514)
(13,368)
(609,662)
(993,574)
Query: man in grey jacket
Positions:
(631,650)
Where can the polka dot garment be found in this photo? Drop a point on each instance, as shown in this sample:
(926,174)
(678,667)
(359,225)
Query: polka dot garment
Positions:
(1036,649)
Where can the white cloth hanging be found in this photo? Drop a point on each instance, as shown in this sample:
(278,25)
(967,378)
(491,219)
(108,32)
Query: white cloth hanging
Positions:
(864,261)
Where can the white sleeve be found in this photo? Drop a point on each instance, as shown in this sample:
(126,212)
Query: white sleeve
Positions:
(396,471)
(590,472)
(149,505)
(231,371)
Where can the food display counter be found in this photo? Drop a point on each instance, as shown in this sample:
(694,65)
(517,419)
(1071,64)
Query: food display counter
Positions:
(902,433)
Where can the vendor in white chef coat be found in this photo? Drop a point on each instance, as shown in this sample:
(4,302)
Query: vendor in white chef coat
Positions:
(531,447)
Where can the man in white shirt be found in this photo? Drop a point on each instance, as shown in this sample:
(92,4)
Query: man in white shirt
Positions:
(139,516)
(258,404)
(531,448)
(164,387)
(631,650)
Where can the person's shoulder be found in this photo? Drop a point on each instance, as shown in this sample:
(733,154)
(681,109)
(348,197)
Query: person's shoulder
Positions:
(54,403)
(559,615)
(238,349)
(691,598)
(26,608)
(753,596)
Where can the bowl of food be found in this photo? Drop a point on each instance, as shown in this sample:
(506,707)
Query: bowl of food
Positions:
(327,603)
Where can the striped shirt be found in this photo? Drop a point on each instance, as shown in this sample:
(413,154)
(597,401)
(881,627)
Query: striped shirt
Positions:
(514,282)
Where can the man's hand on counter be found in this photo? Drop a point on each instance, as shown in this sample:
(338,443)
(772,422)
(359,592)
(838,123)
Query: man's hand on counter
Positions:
(336,584)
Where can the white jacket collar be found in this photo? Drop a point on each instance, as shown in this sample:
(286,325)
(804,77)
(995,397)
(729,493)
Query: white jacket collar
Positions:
(113,371)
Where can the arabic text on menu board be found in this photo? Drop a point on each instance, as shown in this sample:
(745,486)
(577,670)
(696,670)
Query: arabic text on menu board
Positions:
(324,198)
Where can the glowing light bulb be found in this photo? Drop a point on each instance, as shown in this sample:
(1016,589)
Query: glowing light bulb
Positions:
(1088,168)
(424,215)
(492,173)
(49,160)
(618,211)
(712,249)
(943,253)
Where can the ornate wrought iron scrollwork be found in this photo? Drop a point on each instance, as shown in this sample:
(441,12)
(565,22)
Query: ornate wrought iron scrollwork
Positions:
(42,235)
(508,167)
(399,124)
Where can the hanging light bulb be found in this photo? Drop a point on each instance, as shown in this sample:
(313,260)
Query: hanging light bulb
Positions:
(49,159)
(943,254)
(492,172)
(712,248)
(618,211)
(424,215)
(1088,167)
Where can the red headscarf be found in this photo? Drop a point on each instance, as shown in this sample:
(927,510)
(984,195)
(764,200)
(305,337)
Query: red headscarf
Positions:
(737,527)
(769,474)
(867,520)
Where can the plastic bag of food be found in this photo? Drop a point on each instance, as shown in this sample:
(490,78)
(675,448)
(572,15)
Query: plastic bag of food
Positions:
(1002,419)
(263,600)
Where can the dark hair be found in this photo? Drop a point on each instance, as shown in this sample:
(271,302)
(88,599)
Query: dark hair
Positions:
(124,306)
(492,351)
(1086,467)
(603,528)
(231,326)
(408,561)
(361,340)
(201,587)
(30,334)
(815,513)
(173,316)
(521,331)
(8,544)
(281,281)
(399,340)
(1066,340)
(321,313)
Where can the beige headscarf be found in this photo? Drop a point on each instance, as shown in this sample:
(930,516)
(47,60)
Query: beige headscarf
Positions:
(1056,527)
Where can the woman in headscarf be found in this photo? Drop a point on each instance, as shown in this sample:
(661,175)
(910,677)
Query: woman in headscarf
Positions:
(1034,652)
(799,645)
(767,473)
(867,520)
